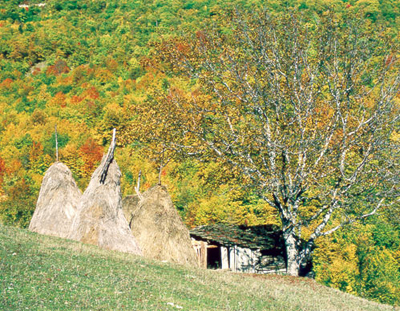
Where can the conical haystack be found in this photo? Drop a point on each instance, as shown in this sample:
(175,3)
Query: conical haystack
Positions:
(100,220)
(129,205)
(159,229)
(57,203)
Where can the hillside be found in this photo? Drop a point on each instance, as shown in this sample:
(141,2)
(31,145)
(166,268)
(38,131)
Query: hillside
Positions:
(90,66)
(46,273)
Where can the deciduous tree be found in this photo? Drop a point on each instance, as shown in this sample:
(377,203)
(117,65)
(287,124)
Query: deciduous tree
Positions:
(305,109)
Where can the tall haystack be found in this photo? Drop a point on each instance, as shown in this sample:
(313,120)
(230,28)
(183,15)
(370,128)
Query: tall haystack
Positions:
(57,203)
(159,229)
(100,220)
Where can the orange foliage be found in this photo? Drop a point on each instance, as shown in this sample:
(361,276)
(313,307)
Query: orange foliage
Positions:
(2,169)
(59,67)
(6,83)
(59,99)
(92,93)
(183,47)
(14,166)
(35,151)
(390,60)
(91,153)
(76,99)
(36,71)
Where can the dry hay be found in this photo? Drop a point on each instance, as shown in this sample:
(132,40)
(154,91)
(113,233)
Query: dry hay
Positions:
(57,203)
(129,205)
(159,229)
(100,220)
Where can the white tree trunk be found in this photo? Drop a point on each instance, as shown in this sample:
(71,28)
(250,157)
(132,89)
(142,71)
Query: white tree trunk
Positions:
(293,255)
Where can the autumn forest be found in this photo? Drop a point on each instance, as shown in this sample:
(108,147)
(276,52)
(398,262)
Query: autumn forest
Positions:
(285,112)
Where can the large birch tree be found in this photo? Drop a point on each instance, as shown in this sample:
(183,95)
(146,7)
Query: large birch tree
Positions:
(306,110)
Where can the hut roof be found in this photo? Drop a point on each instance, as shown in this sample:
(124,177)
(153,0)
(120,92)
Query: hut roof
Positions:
(100,220)
(57,203)
(159,229)
(265,237)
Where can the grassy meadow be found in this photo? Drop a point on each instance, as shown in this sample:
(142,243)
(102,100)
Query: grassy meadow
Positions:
(39,272)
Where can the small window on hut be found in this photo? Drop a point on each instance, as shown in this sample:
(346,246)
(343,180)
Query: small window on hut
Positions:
(213,257)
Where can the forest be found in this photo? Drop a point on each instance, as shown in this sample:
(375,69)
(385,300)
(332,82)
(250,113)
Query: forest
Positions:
(90,66)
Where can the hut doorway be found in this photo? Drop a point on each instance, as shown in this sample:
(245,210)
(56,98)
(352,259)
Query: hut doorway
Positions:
(213,257)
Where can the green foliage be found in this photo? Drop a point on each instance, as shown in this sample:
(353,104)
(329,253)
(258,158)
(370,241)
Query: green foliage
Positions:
(23,142)
(363,260)
(18,208)
(50,143)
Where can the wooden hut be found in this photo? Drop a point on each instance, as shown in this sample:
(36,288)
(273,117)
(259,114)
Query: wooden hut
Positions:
(257,249)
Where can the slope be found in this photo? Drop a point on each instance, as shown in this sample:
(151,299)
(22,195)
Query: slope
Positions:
(40,272)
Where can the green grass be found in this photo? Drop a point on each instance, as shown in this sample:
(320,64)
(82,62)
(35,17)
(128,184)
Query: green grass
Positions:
(39,272)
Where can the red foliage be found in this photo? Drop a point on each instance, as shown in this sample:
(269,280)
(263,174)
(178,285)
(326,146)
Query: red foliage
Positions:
(76,99)
(92,93)
(6,83)
(59,67)
(36,71)
(390,60)
(91,153)
(2,168)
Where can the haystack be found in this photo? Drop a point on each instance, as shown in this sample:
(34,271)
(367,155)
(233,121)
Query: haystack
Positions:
(159,229)
(57,203)
(129,205)
(100,220)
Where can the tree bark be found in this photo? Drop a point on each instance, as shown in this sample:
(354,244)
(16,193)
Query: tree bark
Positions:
(292,253)
(109,158)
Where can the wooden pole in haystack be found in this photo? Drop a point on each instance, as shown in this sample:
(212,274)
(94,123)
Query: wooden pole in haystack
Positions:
(55,127)
(137,188)
(162,165)
(109,159)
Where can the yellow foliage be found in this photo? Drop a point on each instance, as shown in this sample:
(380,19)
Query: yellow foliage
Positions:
(337,266)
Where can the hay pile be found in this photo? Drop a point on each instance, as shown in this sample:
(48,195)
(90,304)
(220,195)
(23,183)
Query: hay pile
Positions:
(129,205)
(57,203)
(100,220)
(159,229)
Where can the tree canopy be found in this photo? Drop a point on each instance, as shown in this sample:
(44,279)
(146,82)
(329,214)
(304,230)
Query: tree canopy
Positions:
(306,111)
